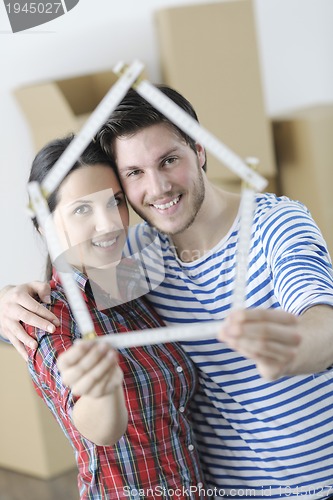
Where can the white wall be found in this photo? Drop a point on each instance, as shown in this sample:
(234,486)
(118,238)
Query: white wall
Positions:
(296,48)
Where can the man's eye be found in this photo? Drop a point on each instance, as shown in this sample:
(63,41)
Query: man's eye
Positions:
(82,210)
(169,161)
(114,202)
(133,173)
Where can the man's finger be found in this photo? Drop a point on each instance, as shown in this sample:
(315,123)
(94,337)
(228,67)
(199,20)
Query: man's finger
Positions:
(272,351)
(31,306)
(270,370)
(16,333)
(40,318)
(273,332)
(42,289)
(264,315)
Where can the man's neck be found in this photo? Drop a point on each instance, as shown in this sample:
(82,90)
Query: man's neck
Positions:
(212,223)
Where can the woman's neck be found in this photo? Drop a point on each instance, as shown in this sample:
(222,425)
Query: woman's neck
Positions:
(106,280)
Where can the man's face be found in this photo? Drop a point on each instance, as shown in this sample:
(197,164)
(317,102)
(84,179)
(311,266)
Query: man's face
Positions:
(162,177)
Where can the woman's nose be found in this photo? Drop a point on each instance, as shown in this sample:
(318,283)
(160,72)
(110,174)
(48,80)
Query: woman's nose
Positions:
(108,220)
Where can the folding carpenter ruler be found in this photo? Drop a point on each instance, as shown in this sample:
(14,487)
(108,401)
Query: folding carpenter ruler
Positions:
(130,77)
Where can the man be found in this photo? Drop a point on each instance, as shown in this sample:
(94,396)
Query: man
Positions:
(259,437)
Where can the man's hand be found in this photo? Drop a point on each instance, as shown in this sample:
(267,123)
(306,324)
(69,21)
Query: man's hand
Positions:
(269,337)
(17,304)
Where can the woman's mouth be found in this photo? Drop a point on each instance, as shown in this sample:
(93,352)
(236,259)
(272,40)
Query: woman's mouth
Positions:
(104,243)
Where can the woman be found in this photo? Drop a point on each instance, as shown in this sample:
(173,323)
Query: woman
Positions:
(125,414)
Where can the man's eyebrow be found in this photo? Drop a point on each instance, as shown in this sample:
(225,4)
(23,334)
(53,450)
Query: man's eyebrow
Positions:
(127,167)
(119,192)
(168,152)
(159,159)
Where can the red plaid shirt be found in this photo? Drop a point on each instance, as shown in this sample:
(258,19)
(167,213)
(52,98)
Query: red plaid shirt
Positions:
(157,456)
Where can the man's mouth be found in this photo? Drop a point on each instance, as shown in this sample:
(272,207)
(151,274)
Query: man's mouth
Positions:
(165,206)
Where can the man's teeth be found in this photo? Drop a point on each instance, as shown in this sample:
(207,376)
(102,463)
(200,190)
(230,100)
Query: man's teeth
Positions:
(104,244)
(167,205)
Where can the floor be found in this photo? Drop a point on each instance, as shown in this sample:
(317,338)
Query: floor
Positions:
(15,486)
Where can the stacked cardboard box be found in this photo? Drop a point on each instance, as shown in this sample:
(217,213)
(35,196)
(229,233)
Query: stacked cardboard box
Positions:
(304,149)
(56,108)
(209,53)
(31,440)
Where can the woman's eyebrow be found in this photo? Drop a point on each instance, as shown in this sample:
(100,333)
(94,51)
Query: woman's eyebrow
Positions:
(83,200)
(79,200)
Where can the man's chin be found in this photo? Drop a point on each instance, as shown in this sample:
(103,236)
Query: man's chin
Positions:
(169,228)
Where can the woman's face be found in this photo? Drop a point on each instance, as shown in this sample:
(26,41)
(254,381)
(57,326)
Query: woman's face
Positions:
(92,217)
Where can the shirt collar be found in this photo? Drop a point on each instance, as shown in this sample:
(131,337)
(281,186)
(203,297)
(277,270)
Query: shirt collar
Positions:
(80,278)
(131,281)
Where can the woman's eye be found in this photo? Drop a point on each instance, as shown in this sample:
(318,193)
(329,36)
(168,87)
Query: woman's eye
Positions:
(82,210)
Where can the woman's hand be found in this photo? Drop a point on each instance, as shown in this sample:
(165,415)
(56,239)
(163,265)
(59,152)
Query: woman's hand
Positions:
(92,372)
(90,368)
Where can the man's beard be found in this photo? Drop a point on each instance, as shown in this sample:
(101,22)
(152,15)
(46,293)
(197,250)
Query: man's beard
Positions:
(198,195)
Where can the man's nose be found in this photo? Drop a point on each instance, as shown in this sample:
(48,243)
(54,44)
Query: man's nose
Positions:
(158,184)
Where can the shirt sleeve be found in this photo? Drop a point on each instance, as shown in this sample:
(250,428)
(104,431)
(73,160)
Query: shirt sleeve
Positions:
(42,363)
(2,339)
(297,257)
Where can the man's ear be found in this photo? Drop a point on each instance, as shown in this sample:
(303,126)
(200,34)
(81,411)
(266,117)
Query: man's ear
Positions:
(201,152)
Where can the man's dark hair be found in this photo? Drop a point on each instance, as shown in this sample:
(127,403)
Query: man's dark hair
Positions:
(134,113)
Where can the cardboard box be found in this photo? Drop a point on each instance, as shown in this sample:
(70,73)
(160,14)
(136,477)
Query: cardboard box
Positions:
(304,150)
(31,439)
(56,108)
(209,53)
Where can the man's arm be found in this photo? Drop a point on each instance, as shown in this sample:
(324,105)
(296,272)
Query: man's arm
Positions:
(17,303)
(280,343)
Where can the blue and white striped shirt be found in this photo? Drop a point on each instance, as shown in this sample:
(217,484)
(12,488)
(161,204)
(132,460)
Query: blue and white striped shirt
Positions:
(256,438)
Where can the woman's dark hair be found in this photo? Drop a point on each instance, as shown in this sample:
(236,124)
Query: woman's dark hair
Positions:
(48,156)
(135,113)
